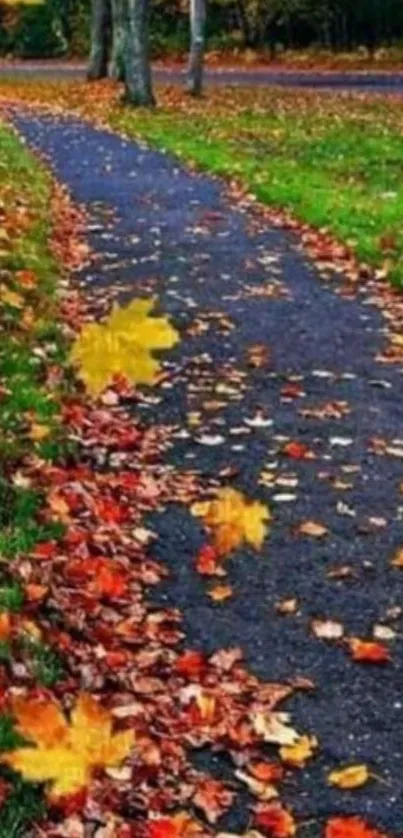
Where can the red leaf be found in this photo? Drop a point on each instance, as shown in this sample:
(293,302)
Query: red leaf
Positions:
(275,821)
(364,651)
(351,827)
(297,451)
(191,665)
(207,561)
(45,550)
(110,583)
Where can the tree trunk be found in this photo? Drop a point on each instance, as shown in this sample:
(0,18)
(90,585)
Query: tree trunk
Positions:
(243,22)
(197,27)
(137,61)
(99,55)
(119,31)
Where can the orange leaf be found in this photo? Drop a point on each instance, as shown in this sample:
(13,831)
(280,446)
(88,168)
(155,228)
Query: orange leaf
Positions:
(27,279)
(110,583)
(220,593)
(351,827)
(207,561)
(364,651)
(179,826)
(5,626)
(313,528)
(397,560)
(266,772)
(275,821)
(298,451)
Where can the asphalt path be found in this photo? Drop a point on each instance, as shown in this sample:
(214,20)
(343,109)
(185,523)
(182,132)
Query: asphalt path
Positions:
(232,286)
(376,82)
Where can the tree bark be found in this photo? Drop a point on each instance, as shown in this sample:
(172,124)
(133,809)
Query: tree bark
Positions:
(137,60)
(100,25)
(197,27)
(119,33)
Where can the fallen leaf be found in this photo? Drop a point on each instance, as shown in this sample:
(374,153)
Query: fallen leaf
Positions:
(327,629)
(234,519)
(123,345)
(351,827)
(299,753)
(313,528)
(298,451)
(191,665)
(397,560)
(275,821)
(351,777)
(39,432)
(213,798)
(65,754)
(273,727)
(366,651)
(220,593)
(5,626)
(11,298)
(180,825)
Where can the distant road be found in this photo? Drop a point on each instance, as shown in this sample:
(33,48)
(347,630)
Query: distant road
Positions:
(374,81)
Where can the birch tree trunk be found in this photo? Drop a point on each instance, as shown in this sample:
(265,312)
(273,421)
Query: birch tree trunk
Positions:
(99,55)
(197,28)
(119,33)
(137,60)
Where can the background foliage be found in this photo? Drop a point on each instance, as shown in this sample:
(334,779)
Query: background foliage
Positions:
(61,27)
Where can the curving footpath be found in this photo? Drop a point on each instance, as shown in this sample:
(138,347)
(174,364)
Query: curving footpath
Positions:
(269,356)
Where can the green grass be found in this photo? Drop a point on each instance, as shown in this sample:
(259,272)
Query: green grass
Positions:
(333,161)
(27,347)
(25,193)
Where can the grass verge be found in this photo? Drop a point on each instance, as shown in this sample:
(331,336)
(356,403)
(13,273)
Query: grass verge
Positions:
(31,352)
(332,159)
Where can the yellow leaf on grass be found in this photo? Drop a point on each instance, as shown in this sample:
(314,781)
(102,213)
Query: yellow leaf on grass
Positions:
(234,519)
(11,298)
(123,346)
(351,777)
(39,432)
(65,754)
(299,753)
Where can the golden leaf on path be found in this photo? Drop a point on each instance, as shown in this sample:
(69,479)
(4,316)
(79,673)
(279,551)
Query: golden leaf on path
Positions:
(122,346)
(397,560)
(312,528)
(220,593)
(65,754)
(351,777)
(234,519)
(299,753)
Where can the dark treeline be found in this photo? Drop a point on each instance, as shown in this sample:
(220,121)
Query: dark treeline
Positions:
(62,27)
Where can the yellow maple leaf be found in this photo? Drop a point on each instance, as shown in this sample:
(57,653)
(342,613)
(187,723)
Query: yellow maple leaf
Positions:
(351,777)
(299,753)
(123,346)
(136,325)
(234,519)
(65,754)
